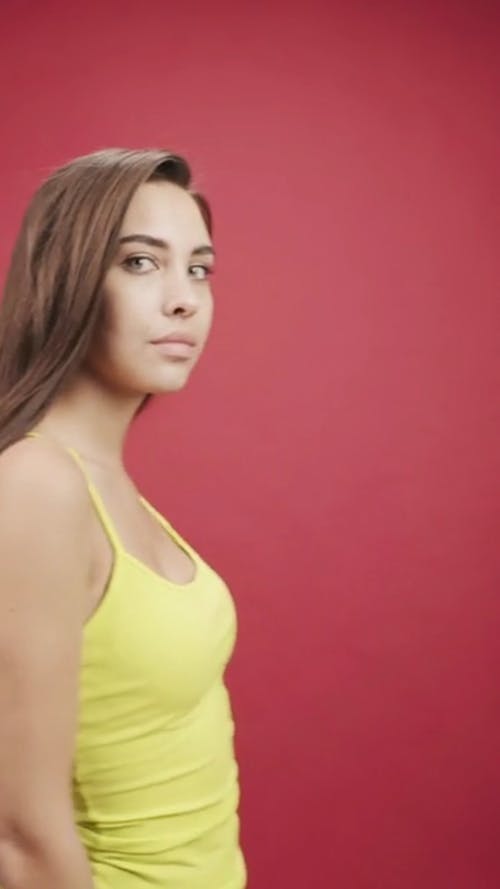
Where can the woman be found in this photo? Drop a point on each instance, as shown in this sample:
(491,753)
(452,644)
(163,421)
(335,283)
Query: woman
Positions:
(116,736)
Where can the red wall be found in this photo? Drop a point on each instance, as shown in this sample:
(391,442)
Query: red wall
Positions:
(336,453)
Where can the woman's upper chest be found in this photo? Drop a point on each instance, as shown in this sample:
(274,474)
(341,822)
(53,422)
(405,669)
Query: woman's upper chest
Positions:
(140,536)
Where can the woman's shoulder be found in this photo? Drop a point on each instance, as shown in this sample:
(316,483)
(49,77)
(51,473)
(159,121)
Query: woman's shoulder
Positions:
(45,529)
(36,477)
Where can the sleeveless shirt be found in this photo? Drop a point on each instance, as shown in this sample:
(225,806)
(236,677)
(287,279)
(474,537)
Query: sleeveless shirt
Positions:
(155,780)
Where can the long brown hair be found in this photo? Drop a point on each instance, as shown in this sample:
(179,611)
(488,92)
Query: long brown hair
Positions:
(52,297)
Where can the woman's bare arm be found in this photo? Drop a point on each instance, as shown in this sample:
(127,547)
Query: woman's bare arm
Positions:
(44,564)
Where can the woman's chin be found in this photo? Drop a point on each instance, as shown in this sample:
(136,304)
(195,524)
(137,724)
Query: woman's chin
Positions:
(174,383)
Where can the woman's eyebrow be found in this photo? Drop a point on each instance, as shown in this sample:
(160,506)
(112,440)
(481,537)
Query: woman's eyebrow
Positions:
(164,245)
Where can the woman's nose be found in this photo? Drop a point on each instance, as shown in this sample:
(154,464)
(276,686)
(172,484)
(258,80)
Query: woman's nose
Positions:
(179,296)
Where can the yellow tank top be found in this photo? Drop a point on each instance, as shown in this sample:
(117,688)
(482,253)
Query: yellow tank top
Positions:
(155,781)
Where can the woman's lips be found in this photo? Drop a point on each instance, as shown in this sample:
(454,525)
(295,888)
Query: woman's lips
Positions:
(174,348)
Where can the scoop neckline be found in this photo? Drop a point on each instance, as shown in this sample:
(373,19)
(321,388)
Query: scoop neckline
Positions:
(177,539)
(121,551)
(160,577)
(161,587)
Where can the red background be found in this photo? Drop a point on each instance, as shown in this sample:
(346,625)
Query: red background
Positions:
(336,454)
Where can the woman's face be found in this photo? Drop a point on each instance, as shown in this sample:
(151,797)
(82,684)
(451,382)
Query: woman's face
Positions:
(158,285)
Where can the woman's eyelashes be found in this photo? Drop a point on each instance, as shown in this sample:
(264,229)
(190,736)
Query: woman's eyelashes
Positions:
(130,263)
(207,269)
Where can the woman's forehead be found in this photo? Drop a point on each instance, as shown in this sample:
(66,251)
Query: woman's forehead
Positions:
(165,211)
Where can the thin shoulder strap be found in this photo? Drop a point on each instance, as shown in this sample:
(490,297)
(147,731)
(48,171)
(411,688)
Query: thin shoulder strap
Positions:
(93,492)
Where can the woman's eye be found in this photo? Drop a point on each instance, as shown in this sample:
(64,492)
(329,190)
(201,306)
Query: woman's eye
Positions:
(205,271)
(135,263)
